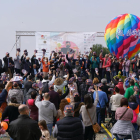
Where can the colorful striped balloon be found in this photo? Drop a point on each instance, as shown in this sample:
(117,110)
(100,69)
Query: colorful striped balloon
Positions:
(122,35)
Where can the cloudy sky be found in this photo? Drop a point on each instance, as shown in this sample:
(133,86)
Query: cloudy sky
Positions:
(57,15)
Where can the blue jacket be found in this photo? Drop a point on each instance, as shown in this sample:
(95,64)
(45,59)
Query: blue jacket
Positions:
(102,99)
(3,95)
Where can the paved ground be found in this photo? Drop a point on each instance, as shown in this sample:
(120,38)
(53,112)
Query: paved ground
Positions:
(100,136)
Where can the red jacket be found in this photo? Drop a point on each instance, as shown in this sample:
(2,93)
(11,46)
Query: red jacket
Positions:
(120,86)
(108,64)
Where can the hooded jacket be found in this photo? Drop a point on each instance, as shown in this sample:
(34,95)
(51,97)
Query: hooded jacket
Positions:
(33,108)
(18,93)
(120,86)
(134,106)
(11,111)
(46,109)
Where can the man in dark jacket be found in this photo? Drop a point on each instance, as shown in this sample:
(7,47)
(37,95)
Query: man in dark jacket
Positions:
(7,64)
(24,128)
(35,61)
(34,70)
(28,85)
(26,65)
(69,128)
(54,97)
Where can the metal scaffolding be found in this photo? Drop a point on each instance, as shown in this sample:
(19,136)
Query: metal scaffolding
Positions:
(32,33)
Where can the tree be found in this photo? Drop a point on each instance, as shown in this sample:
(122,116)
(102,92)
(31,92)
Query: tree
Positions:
(98,48)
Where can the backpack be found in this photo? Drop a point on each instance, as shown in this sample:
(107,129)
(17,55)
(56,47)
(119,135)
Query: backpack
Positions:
(134,117)
(45,87)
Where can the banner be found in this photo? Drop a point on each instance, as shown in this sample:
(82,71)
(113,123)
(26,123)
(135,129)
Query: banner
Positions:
(63,42)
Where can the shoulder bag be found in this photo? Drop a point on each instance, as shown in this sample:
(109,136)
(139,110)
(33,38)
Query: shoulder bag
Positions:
(96,127)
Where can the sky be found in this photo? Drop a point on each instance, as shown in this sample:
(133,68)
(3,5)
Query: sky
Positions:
(57,15)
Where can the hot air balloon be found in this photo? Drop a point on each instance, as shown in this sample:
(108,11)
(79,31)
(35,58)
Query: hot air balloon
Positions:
(122,35)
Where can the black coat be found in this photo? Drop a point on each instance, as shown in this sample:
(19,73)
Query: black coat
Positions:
(32,72)
(11,111)
(70,128)
(35,61)
(5,59)
(26,65)
(24,128)
(88,64)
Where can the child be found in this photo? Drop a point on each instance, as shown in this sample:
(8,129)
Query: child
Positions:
(43,127)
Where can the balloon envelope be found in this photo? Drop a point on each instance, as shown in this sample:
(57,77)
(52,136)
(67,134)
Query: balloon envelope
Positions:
(122,35)
(4,125)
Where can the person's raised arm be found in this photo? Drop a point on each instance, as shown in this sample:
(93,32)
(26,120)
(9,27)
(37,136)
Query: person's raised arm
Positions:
(38,99)
(53,78)
(67,56)
(97,97)
(67,77)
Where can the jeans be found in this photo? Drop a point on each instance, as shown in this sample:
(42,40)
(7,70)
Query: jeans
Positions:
(89,133)
(125,73)
(100,112)
(108,76)
(135,126)
(126,138)
(92,72)
(114,73)
(49,126)
(11,138)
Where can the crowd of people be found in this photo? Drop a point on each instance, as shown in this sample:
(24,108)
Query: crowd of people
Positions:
(68,98)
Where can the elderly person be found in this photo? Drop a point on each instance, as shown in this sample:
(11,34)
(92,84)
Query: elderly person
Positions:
(123,127)
(34,70)
(69,128)
(24,128)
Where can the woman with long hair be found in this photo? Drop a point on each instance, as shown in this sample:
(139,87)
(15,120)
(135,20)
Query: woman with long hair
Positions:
(90,108)
(60,114)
